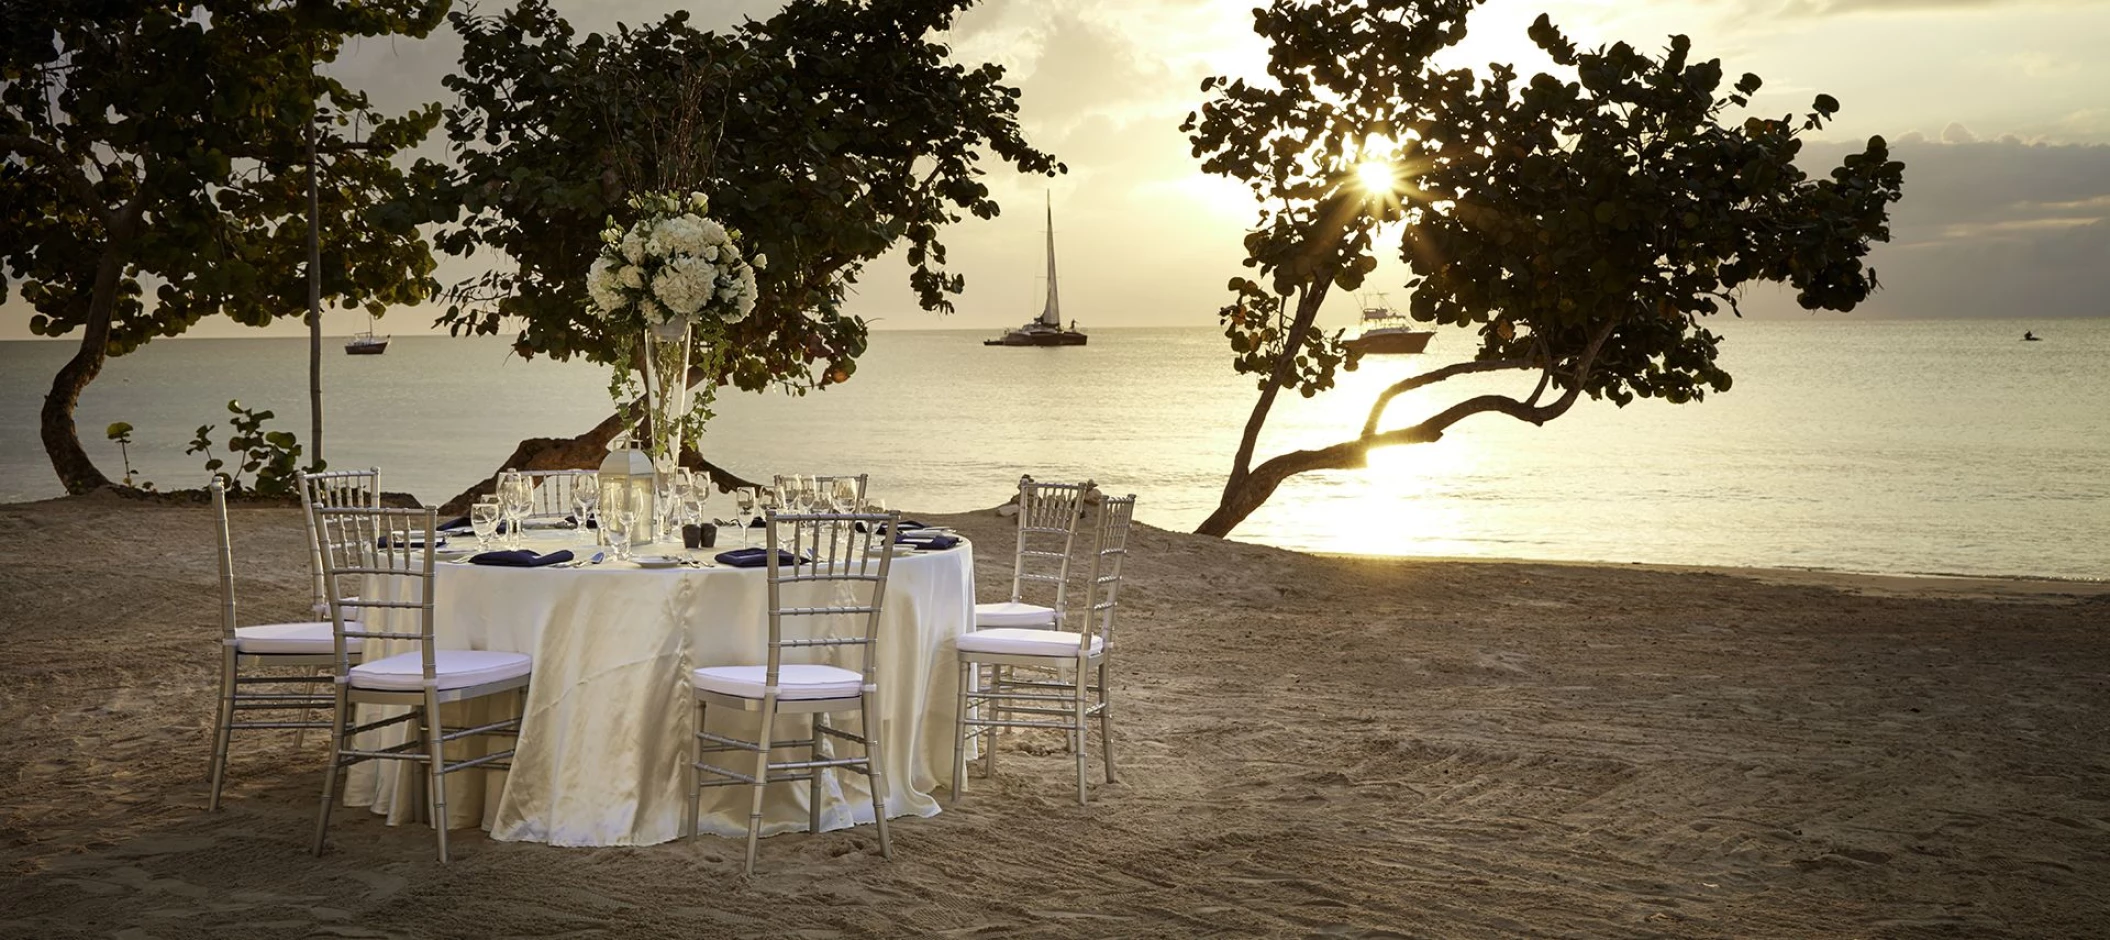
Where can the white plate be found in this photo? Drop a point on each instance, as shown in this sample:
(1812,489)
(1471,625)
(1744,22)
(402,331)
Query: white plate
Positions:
(655,561)
(925,533)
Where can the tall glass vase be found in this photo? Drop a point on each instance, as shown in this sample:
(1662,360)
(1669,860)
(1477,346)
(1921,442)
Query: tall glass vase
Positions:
(666,374)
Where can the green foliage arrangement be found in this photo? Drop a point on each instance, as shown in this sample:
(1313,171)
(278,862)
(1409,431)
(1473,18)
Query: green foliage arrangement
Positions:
(162,141)
(120,432)
(1583,225)
(273,457)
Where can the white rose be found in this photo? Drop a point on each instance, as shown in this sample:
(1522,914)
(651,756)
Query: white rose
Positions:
(713,233)
(631,276)
(633,247)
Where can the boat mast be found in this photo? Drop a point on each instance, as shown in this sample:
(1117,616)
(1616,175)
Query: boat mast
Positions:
(1051,315)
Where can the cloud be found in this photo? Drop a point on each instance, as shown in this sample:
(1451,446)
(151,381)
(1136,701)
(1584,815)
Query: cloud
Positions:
(1991,228)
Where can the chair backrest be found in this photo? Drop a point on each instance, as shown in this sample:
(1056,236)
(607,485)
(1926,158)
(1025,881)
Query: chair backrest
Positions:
(826,482)
(839,581)
(1048,518)
(227,611)
(1102,589)
(362,546)
(335,489)
(554,490)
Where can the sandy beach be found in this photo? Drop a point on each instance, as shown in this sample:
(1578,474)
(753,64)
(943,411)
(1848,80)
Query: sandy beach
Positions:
(1310,746)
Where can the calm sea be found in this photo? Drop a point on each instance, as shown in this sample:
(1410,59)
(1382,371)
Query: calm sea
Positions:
(1893,446)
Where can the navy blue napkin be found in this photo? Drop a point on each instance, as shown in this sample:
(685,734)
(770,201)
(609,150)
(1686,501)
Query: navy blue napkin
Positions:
(461,526)
(933,543)
(754,558)
(519,558)
(573,521)
(904,526)
(410,540)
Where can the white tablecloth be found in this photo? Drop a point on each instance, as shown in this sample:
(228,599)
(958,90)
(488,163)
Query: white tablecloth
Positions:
(602,752)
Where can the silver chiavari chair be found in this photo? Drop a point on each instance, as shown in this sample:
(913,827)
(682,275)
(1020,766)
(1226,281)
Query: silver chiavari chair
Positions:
(309,647)
(391,551)
(336,489)
(1048,517)
(994,700)
(828,572)
(554,490)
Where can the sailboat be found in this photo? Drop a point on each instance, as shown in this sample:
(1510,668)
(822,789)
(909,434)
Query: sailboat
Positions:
(1046,329)
(366,344)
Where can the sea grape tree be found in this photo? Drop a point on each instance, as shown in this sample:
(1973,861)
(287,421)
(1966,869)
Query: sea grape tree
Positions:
(1583,225)
(159,145)
(827,135)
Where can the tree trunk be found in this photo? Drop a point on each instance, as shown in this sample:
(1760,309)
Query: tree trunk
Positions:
(315,458)
(583,452)
(62,440)
(1237,491)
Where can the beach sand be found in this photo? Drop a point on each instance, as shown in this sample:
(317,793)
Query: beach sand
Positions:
(1308,746)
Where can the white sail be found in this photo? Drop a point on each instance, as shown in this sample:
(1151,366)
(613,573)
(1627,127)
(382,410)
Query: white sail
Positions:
(1051,315)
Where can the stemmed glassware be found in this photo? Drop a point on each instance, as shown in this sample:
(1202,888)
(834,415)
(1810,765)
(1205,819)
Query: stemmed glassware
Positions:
(843,495)
(585,493)
(516,497)
(483,520)
(693,498)
(744,500)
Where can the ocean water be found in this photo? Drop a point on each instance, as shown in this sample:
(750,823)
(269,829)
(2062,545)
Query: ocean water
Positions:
(1881,446)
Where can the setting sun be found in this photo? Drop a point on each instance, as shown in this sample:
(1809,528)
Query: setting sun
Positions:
(1377,176)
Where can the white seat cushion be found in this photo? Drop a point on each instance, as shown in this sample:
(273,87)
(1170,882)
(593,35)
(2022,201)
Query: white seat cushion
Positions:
(454,669)
(1014,614)
(300,638)
(795,681)
(1021,642)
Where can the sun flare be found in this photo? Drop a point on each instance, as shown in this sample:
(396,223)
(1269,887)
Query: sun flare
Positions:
(1377,176)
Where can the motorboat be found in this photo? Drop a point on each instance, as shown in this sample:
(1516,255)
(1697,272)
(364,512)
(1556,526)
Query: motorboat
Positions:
(1387,332)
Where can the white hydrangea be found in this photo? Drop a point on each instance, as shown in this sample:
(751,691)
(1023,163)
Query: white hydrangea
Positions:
(602,288)
(673,265)
(633,247)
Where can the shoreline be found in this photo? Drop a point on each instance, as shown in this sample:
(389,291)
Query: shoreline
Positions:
(1884,582)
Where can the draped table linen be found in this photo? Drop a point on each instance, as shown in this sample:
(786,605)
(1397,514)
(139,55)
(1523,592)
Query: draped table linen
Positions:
(609,716)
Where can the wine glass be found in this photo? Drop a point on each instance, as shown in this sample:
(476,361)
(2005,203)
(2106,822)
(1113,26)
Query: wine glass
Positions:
(843,494)
(744,500)
(483,520)
(585,492)
(617,517)
(692,501)
(515,497)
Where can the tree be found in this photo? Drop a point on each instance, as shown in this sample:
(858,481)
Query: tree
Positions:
(161,141)
(1583,227)
(826,135)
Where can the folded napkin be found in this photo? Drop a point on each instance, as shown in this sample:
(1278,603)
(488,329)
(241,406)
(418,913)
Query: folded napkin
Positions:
(755,558)
(461,526)
(573,521)
(519,558)
(906,524)
(410,541)
(933,543)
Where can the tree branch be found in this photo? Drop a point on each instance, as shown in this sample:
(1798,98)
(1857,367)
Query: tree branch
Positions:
(1412,382)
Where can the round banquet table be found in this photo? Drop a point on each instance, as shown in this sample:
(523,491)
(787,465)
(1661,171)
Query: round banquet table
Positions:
(609,716)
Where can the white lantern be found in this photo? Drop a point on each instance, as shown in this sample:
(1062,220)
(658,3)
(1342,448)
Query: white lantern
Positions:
(628,479)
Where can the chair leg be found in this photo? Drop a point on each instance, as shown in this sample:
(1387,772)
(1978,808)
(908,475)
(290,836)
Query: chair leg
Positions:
(435,767)
(754,811)
(1106,723)
(300,735)
(960,732)
(689,809)
(813,784)
(223,727)
(990,709)
(875,768)
(1077,735)
(338,723)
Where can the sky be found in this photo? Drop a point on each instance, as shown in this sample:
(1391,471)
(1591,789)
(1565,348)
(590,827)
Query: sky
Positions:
(2000,111)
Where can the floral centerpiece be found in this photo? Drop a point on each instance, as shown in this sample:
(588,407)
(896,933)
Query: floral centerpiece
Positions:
(675,279)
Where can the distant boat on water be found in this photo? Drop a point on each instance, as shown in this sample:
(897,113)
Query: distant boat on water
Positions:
(1387,332)
(1045,330)
(366,344)
(2030,336)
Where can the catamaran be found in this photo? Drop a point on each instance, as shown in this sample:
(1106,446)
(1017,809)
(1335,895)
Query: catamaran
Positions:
(1045,330)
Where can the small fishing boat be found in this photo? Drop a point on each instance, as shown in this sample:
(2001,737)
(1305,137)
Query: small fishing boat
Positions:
(366,344)
(1387,332)
(1046,329)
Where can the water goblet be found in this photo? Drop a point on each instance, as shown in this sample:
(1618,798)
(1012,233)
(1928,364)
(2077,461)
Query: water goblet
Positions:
(483,520)
(515,496)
